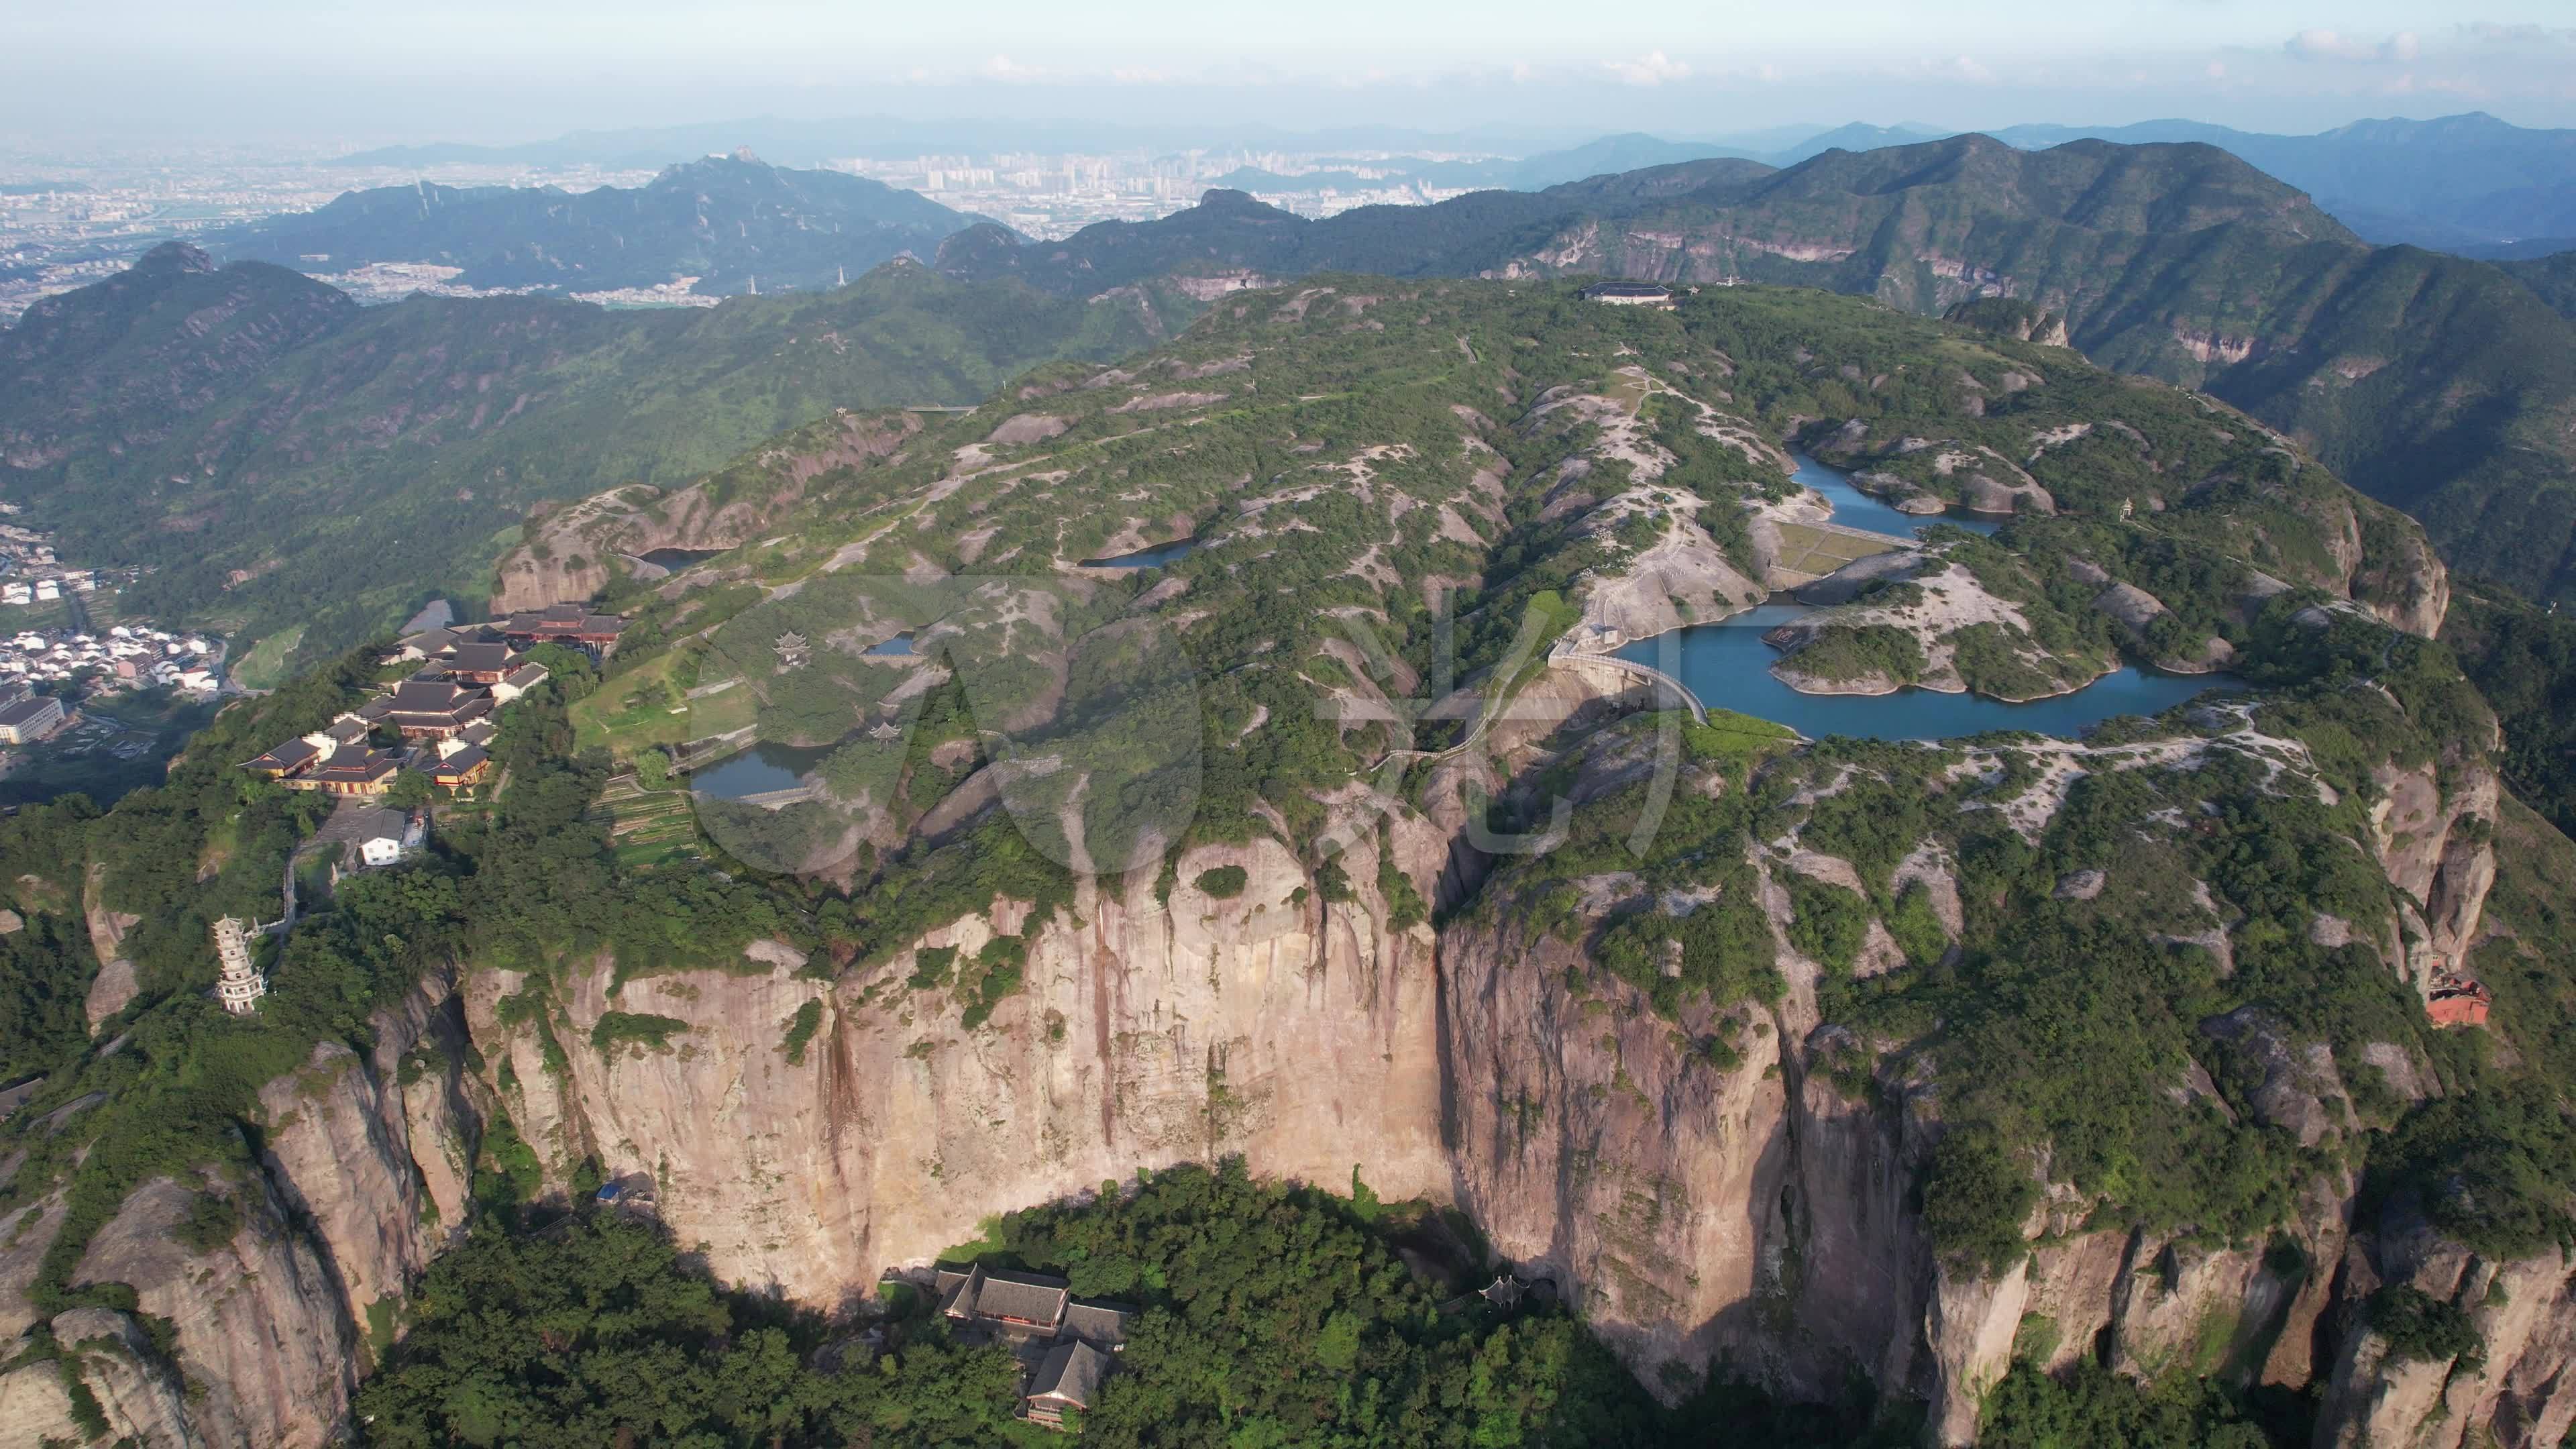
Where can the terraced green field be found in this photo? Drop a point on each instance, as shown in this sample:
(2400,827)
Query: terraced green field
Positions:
(648,827)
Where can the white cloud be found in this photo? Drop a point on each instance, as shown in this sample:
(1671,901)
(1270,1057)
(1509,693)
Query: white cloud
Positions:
(2495,33)
(1003,68)
(2218,70)
(2335,45)
(1652,70)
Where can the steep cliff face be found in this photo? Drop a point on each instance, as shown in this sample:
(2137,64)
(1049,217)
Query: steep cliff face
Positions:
(363,1158)
(2513,1388)
(1704,1187)
(1598,1144)
(1302,1036)
(373,1155)
(260,1328)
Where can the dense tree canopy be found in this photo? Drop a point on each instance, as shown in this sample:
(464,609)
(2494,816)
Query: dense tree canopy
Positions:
(596,1332)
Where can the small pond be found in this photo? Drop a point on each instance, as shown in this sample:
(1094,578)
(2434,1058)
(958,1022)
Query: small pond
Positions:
(1144,558)
(676,559)
(899,644)
(757,771)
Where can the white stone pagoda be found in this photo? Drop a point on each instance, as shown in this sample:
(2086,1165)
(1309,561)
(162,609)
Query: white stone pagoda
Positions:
(239,986)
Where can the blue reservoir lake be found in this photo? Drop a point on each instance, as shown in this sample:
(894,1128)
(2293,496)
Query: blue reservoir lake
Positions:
(1855,509)
(1728,666)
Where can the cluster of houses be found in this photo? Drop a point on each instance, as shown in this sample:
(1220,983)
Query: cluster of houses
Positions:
(1066,1346)
(443,714)
(136,655)
(45,591)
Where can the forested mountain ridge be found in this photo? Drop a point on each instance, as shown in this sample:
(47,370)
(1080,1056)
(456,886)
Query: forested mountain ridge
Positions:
(1968,193)
(2551,278)
(2451,181)
(1999,1071)
(2432,382)
(730,222)
(115,367)
(283,459)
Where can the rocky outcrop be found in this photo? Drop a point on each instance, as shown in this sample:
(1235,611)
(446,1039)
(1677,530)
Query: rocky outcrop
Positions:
(569,553)
(374,1154)
(2433,831)
(1684,578)
(363,1159)
(260,1327)
(2183,1310)
(112,1360)
(2402,580)
(2514,1389)
(116,983)
(110,991)
(1970,1325)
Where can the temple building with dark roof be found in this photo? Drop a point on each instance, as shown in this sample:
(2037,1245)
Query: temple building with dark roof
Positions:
(1065,1381)
(455,764)
(480,663)
(290,758)
(436,708)
(350,770)
(443,712)
(1067,1346)
(568,624)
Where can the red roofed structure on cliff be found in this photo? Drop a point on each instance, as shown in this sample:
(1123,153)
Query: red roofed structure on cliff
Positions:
(2458,1001)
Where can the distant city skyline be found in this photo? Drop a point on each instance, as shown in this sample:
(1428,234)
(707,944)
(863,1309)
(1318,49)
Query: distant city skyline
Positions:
(296,72)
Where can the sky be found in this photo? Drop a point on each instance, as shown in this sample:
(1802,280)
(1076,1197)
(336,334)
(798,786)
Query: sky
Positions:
(305,73)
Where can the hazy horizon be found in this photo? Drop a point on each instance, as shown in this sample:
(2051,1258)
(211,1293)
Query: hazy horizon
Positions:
(297,75)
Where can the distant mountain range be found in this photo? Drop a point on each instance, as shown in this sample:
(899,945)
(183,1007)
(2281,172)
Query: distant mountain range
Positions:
(2449,183)
(2439,384)
(2469,183)
(249,413)
(285,459)
(731,222)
